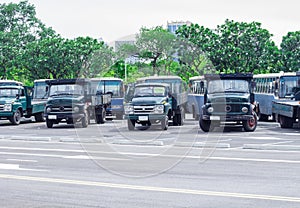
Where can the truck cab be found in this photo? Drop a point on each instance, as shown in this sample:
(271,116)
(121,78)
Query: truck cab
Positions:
(228,99)
(16,102)
(151,104)
(69,101)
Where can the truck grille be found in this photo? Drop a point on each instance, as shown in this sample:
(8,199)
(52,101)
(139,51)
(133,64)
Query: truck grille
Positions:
(232,108)
(62,109)
(1,107)
(143,109)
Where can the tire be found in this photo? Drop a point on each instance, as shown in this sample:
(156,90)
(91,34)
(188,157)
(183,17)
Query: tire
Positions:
(85,120)
(251,124)
(16,118)
(165,123)
(49,123)
(39,117)
(204,125)
(100,119)
(286,122)
(181,117)
(130,124)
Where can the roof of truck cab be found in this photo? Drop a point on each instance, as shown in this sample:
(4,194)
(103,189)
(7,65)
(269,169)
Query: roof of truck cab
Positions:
(67,81)
(10,83)
(242,76)
(165,77)
(152,84)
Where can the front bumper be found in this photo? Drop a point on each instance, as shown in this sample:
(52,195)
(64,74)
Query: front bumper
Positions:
(229,118)
(151,117)
(64,116)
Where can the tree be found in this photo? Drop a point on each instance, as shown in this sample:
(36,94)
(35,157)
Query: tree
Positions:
(290,49)
(196,43)
(154,45)
(18,27)
(244,47)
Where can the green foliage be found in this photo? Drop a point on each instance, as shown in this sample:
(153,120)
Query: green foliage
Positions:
(18,27)
(154,45)
(243,47)
(290,47)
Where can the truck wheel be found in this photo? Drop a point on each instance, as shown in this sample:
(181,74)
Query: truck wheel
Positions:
(204,125)
(130,124)
(285,122)
(39,117)
(49,123)
(180,117)
(100,117)
(85,120)
(165,123)
(16,118)
(251,124)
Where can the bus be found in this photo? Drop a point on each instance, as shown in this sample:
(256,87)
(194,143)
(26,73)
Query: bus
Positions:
(197,86)
(116,87)
(270,87)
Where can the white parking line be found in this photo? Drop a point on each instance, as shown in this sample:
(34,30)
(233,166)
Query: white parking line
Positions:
(153,189)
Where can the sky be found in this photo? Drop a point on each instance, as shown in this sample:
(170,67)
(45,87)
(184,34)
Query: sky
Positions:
(114,19)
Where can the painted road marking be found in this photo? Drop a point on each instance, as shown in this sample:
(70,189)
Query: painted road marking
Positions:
(152,188)
(20,160)
(151,155)
(5,166)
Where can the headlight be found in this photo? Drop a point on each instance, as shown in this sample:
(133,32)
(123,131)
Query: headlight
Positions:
(245,110)
(128,109)
(48,109)
(76,109)
(7,107)
(159,109)
(210,109)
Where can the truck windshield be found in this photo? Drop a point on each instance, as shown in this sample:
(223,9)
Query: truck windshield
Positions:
(219,86)
(8,92)
(288,85)
(66,89)
(149,91)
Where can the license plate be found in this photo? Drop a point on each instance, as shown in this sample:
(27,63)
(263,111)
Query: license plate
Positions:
(51,116)
(143,118)
(215,118)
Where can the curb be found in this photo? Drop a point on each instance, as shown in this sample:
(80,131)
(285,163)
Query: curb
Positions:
(203,145)
(43,139)
(271,147)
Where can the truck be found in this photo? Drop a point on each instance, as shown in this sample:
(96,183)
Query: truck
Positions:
(228,99)
(169,94)
(71,101)
(152,103)
(178,92)
(287,111)
(16,101)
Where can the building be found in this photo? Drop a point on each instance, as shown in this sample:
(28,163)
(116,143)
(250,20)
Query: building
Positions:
(173,26)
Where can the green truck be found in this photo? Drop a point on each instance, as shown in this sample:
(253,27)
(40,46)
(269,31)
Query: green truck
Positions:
(156,100)
(71,101)
(16,101)
(228,100)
